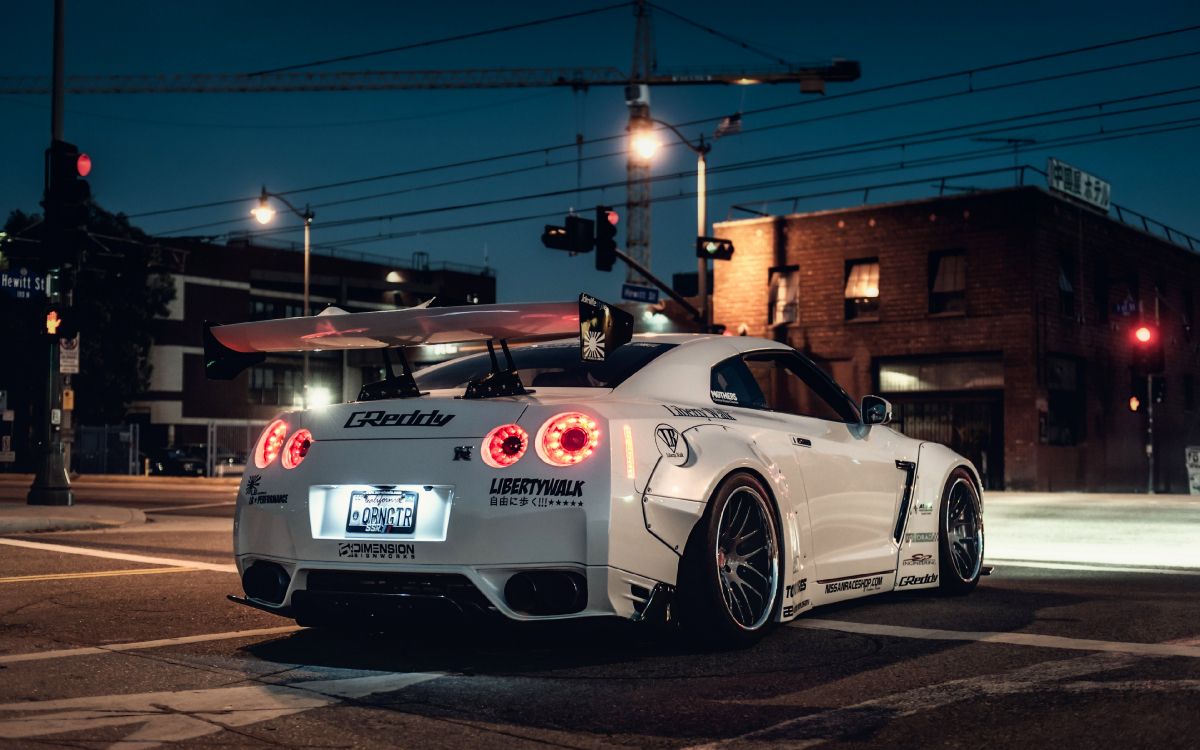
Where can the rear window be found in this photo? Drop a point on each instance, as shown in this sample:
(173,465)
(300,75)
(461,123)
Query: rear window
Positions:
(548,366)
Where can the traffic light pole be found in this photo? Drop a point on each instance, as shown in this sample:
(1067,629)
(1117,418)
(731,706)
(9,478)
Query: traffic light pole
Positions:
(1150,432)
(51,484)
(696,314)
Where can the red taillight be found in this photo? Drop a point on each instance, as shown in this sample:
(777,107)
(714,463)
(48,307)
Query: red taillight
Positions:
(567,439)
(296,449)
(270,443)
(505,445)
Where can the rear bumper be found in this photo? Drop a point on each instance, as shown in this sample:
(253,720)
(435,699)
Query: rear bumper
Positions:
(325,593)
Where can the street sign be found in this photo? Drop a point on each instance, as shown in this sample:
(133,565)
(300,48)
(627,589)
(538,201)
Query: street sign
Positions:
(639,293)
(1192,459)
(68,356)
(1075,183)
(23,283)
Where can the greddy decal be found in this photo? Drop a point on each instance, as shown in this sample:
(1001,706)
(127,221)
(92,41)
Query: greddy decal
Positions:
(538,493)
(378,550)
(919,559)
(414,418)
(917,580)
(921,536)
(255,495)
(873,583)
(704,412)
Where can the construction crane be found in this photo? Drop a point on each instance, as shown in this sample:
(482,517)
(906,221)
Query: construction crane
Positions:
(636,83)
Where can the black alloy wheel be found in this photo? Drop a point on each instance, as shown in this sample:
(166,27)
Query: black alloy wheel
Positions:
(960,546)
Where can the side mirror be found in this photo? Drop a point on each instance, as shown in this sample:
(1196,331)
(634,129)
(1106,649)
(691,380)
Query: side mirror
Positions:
(876,410)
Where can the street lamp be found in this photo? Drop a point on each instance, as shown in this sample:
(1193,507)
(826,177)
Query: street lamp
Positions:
(644,144)
(264,213)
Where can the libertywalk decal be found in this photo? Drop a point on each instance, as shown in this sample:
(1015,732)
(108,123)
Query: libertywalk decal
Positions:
(703,412)
(414,418)
(538,493)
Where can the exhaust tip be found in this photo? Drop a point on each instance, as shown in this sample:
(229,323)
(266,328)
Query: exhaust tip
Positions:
(266,581)
(546,592)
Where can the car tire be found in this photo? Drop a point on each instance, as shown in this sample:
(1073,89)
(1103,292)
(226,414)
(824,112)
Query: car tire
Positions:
(960,541)
(730,571)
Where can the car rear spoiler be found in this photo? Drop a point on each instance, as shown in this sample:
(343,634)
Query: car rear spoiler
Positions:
(230,349)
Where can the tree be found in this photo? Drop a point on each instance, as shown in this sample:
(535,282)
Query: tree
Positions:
(122,284)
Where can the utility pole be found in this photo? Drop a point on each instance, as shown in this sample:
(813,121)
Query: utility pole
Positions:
(637,171)
(51,484)
(1150,404)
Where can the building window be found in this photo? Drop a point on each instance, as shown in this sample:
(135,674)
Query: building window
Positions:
(1065,401)
(1066,285)
(948,282)
(862,289)
(784,296)
(262,310)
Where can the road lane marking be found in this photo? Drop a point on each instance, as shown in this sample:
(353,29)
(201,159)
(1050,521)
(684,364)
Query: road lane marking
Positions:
(152,560)
(1092,567)
(1185,649)
(142,645)
(189,507)
(823,726)
(95,574)
(177,716)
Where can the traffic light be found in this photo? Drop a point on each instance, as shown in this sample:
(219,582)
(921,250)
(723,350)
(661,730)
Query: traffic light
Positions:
(60,322)
(67,193)
(575,236)
(713,247)
(606,238)
(1137,390)
(1148,358)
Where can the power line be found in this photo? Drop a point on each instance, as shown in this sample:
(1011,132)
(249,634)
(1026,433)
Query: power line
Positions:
(724,36)
(1189,124)
(546,150)
(443,40)
(925,137)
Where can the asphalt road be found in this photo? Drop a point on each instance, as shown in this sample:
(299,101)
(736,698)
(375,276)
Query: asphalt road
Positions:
(1070,652)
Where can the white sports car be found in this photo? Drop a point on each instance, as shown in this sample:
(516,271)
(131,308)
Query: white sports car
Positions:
(726,483)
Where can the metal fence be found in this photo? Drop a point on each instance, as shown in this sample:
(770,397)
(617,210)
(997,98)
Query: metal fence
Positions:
(118,449)
(228,448)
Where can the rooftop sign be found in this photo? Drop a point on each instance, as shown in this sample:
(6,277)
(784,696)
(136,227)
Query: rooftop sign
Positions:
(1077,184)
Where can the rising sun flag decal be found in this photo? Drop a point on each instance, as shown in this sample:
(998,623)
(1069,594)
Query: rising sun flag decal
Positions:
(593,346)
(602,328)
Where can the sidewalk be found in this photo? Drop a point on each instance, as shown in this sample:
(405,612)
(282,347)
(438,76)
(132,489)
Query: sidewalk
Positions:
(18,518)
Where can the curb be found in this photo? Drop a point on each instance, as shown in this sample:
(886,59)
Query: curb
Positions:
(15,519)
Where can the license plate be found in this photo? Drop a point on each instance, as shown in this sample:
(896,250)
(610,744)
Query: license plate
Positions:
(382,513)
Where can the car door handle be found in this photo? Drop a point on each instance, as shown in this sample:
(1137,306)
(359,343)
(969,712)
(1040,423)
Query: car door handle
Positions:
(802,442)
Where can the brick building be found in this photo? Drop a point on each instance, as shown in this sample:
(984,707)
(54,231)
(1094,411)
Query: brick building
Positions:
(999,322)
(241,281)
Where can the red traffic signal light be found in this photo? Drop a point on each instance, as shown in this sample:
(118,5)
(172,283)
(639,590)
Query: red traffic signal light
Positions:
(83,165)
(1148,354)
(1143,334)
(606,238)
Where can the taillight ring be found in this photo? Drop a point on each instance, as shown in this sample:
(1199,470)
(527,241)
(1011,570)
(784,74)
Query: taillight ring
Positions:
(296,449)
(504,446)
(270,444)
(567,439)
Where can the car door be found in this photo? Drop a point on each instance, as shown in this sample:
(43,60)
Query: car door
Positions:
(849,469)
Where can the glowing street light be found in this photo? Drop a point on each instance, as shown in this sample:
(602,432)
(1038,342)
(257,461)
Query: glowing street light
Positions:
(645,144)
(264,213)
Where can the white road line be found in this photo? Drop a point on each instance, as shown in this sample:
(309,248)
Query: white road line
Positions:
(1085,566)
(189,507)
(823,726)
(141,645)
(149,559)
(154,719)
(1014,639)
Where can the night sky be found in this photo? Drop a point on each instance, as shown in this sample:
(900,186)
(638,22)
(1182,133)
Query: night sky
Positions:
(162,151)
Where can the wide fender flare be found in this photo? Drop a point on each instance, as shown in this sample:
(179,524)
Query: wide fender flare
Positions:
(934,465)
(676,497)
